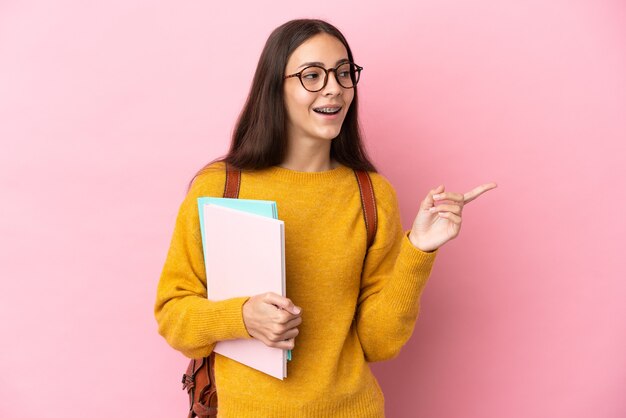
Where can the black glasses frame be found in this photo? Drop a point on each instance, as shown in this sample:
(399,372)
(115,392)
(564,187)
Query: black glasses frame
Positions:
(326,71)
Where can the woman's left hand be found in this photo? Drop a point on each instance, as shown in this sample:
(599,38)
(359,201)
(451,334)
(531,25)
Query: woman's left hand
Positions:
(435,225)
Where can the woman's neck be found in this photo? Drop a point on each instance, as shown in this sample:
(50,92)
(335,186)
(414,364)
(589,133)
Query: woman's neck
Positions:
(313,158)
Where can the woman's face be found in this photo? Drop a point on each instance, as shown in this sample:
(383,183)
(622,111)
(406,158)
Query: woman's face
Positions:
(304,120)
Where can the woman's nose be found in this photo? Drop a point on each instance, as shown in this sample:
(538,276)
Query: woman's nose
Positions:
(332,85)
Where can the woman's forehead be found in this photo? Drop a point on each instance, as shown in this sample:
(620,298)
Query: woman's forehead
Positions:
(322,49)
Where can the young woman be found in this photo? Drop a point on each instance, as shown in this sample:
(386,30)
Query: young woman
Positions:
(297,142)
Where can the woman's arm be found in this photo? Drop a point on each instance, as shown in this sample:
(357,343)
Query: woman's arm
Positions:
(397,267)
(189,321)
(393,278)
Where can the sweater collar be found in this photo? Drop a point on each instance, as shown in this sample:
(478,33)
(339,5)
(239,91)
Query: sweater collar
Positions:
(308,176)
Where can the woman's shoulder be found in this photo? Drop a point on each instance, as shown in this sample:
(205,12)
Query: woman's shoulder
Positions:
(209,181)
(384,191)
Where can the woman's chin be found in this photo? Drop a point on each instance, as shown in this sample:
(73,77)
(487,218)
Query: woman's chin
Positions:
(328,134)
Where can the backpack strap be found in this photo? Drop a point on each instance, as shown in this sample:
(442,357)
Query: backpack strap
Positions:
(368,203)
(368,199)
(233,181)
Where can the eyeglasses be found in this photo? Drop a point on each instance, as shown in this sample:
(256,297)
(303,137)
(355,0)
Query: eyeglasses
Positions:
(314,77)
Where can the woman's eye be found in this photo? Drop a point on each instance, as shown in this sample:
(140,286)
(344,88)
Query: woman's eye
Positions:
(344,74)
(310,76)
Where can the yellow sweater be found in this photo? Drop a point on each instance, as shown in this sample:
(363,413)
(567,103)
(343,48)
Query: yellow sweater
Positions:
(357,307)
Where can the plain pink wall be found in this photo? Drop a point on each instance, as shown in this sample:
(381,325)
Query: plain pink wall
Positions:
(108,108)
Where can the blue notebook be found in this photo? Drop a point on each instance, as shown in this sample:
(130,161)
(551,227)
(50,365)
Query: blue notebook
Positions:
(258,207)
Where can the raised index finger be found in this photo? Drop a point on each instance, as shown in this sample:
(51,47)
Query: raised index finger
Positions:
(473,194)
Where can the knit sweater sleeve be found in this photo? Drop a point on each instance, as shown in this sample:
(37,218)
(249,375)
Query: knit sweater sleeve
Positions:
(393,278)
(189,321)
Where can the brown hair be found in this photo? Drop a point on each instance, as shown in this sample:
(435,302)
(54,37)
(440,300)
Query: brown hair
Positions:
(260,136)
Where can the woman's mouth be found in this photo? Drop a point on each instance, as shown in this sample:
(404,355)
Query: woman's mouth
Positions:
(327,111)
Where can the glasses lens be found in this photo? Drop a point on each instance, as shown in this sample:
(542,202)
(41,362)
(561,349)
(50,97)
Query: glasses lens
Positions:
(313,78)
(348,75)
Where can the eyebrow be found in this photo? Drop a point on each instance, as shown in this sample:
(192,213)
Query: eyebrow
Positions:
(321,64)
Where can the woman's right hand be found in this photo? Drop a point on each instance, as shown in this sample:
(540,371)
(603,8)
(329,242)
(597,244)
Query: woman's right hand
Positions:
(273,319)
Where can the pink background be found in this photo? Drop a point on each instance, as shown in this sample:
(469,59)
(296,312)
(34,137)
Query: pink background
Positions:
(108,108)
